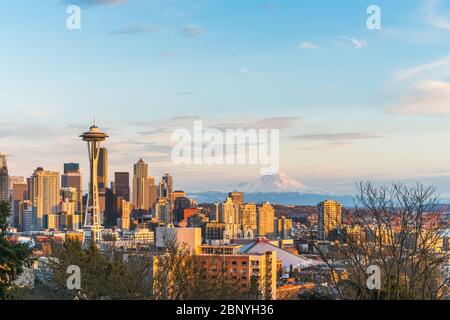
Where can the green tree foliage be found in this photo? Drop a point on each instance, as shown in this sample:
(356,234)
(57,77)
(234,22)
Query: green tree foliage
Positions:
(13,257)
(107,275)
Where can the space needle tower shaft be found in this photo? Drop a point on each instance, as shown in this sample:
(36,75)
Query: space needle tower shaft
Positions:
(94,137)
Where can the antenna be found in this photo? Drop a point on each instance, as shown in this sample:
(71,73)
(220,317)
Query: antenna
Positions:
(94,121)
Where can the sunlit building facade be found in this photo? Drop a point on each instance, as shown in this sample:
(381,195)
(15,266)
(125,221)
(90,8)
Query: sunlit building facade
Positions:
(265,220)
(45,195)
(329,218)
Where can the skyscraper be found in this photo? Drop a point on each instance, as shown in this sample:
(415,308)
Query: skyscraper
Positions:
(4,188)
(45,190)
(71,168)
(180,204)
(102,170)
(72,179)
(18,195)
(151,192)
(19,191)
(229,213)
(178,194)
(122,185)
(144,189)
(124,220)
(329,217)
(165,188)
(94,137)
(12,180)
(102,177)
(163,211)
(237,196)
(69,200)
(283,228)
(111,208)
(26,221)
(249,218)
(265,220)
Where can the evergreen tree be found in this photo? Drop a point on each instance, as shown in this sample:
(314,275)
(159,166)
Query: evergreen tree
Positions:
(13,257)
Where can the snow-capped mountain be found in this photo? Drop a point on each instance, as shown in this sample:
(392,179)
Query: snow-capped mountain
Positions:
(278,183)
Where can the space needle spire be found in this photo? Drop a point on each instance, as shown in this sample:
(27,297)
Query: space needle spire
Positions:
(93,228)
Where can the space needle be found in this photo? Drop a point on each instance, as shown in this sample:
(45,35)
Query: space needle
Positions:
(92,226)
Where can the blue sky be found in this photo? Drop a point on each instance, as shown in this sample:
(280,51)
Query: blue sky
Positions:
(353,103)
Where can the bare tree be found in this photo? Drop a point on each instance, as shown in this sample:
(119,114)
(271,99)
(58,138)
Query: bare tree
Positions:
(181,275)
(399,229)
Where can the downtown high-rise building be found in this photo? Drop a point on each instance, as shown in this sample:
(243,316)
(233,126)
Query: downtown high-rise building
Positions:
(144,188)
(18,195)
(329,218)
(4,179)
(283,228)
(122,185)
(45,191)
(70,216)
(26,220)
(125,215)
(111,213)
(163,211)
(248,219)
(180,204)
(71,168)
(237,197)
(229,212)
(72,179)
(19,192)
(165,187)
(102,177)
(12,180)
(230,215)
(265,220)
(102,170)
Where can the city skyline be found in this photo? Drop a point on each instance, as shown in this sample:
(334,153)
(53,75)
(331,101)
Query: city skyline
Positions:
(320,75)
(239,153)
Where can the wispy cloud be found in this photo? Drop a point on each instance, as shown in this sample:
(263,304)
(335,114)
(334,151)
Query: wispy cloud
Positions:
(136,30)
(428,97)
(193,31)
(90,3)
(176,118)
(277,122)
(307,45)
(270,6)
(436,15)
(433,70)
(343,137)
(353,42)
(263,123)
(426,89)
(165,53)
(245,70)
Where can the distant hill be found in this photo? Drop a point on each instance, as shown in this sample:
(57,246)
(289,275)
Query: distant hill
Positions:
(277,189)
(284,198)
